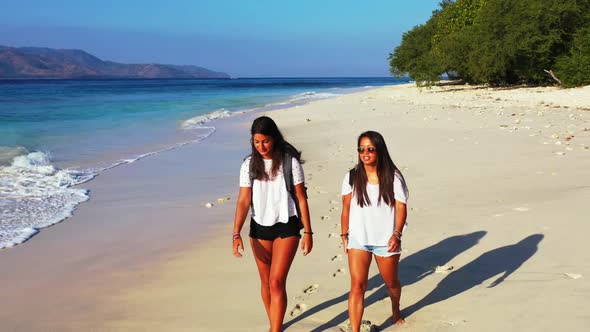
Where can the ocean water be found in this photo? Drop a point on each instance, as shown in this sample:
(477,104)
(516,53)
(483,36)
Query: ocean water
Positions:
(55,134)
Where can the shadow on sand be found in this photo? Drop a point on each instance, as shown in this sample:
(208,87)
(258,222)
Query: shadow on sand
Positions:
(412,269)
(503,260)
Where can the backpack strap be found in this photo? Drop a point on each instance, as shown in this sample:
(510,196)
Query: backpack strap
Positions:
(288,175)
(251,174)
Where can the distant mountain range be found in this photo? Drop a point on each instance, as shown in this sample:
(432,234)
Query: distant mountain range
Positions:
(38,62)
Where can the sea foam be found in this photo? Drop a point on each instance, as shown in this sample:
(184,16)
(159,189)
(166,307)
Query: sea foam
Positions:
(198,121)
(34,194)
(311,95)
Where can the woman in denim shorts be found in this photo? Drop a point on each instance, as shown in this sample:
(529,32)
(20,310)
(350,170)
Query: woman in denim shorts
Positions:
(277,215)
(374,196)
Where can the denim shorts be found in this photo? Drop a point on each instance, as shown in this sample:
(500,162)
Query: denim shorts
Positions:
(282,230)
(377,250)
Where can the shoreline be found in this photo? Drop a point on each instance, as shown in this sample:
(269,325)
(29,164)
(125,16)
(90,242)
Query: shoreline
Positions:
(78,173)
(479,183)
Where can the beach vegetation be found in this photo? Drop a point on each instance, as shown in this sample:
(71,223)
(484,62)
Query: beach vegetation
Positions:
(499,42)
(574,67)
(415,57)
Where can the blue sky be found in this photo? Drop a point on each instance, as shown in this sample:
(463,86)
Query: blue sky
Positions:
(256,38)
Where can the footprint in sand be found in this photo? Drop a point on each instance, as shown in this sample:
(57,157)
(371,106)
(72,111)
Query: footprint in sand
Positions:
(333,236)
(334,202)
(222,200)
(335,208)
(337,258)
(521,209)
(573,275)
(311,289)
(339,272)
(325,217)
(299,309)
(443,269)
(453,323)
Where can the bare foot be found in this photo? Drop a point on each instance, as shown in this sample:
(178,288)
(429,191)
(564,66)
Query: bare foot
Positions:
(397,317)
(399,321)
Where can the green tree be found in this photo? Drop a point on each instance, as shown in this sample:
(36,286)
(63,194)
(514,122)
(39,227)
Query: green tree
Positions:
(573,68)
(498,42)
(414,57)
(515,40)
(451,42)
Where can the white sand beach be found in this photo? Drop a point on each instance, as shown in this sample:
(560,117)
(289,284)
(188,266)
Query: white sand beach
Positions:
(498,217)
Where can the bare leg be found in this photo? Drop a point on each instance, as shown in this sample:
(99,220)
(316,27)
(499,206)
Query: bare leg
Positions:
(358,262)
(283,252)
(388,267)
(262,250)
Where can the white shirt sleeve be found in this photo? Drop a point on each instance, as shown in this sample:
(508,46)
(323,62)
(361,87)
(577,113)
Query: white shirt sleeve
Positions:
(346,188)
(245,174)
(399,190)
(298,176)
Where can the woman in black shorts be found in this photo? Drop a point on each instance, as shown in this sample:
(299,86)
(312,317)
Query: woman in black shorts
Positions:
(272,185)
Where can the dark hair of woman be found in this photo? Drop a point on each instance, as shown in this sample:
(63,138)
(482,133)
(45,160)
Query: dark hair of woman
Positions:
(266,126)
(386,171)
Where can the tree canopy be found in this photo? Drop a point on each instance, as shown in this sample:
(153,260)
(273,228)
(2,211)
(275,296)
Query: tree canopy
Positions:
(499,42)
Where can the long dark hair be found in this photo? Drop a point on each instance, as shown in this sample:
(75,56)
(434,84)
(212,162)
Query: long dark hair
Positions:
(386,171)
(266,126)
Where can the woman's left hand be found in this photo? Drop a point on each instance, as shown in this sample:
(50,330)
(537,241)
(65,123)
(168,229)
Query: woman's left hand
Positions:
(394,244)
(306,244)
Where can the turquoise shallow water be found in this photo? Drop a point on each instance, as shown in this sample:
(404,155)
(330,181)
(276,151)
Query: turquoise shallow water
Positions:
(55,134)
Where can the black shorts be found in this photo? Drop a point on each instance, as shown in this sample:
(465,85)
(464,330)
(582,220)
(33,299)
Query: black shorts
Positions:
(282,230)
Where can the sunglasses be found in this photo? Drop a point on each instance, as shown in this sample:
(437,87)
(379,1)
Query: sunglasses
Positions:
(370,149)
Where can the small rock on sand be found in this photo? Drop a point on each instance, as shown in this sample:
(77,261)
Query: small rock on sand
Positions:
(366,326)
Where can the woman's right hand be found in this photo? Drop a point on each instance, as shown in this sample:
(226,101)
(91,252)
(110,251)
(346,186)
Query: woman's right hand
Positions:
(345,244)
(237,246)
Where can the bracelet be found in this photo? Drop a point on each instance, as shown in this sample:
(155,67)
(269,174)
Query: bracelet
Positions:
(397,237)
(344,234)
(236,236)
(310,233)
(396,231)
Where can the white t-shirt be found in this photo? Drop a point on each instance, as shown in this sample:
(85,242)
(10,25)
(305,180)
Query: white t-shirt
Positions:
(271,200)
(373,224)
